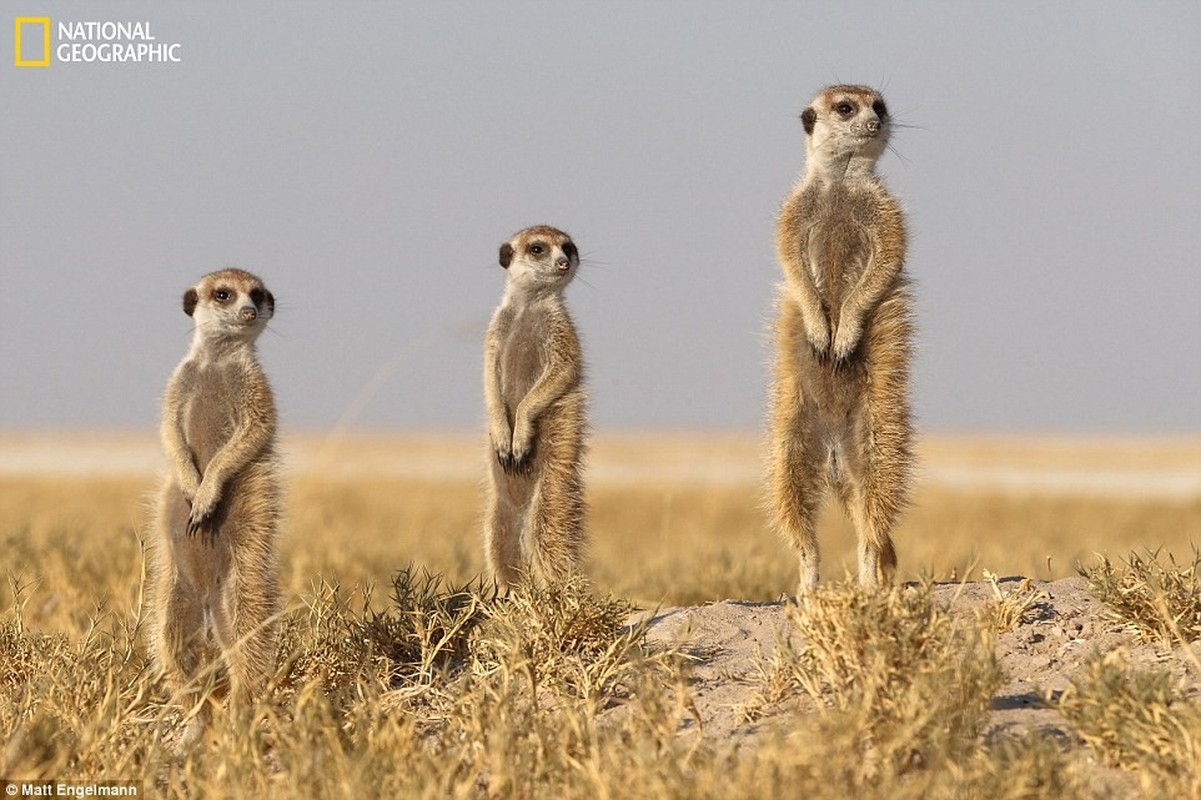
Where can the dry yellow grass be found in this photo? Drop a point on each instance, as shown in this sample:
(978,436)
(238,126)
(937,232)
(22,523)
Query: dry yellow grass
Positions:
(427,688)
(673,519)
(1135,719)
(665,543)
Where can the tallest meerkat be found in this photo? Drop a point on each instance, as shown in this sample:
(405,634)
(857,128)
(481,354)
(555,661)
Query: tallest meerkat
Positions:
(840,408)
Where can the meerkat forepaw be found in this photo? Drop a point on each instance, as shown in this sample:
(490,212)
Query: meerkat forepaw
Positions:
(515,461)
(523,444)
(503,447)
(203,506)
(512,465)
(523,464)
(197,524)
(504,456)
(846,339)
(818,334)
(505,459)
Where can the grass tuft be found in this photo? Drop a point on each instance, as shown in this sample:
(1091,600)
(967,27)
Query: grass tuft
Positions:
(1134,719)
(1010,609)
(1158,600)
(899,681)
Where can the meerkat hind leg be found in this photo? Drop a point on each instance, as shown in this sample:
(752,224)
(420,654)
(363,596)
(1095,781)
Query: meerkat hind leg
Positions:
(797,489)
(182,656)
(554,530)
(244,621)
(873,514)
(180,645)
(256,626)
(229,628)
(502,538)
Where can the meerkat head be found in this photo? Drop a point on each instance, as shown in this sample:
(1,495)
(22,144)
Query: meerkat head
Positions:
(229,304)
(846,123)
(540,256)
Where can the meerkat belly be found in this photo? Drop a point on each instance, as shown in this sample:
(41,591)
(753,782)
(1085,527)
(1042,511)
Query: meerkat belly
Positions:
(838,253)
(833,392)
(208,423)
(203,564)
(521,363)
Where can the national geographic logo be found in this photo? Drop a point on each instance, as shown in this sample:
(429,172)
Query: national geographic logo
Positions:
(31,41)
(89,42)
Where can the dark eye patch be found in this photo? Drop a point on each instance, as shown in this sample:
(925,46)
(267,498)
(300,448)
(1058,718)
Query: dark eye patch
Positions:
(537,248)
(880,109)
(222,295)
(845,108)
(570,251)
(256,297)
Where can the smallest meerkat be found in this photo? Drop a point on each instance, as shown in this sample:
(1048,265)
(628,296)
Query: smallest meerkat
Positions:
(213,584)
(533,388)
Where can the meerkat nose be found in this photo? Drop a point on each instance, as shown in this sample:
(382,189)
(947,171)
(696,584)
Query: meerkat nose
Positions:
(249,314)
(562,263)
(873,125)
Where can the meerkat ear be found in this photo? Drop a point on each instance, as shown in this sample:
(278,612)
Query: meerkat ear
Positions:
(506,255)
(809,119)
(190,298)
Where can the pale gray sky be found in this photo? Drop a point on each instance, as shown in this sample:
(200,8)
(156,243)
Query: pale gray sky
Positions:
(367,159)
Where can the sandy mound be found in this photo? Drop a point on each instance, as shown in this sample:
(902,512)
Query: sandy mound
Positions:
(1044,650)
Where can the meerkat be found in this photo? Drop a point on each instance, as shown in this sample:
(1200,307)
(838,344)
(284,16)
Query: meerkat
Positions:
(214,585)
(840,414)
(533,390)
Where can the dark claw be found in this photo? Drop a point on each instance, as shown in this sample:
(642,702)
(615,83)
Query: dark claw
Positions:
(845,360)
(515,466)
(202,526)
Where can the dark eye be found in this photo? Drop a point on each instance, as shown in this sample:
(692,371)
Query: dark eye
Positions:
(569,250)
(537,248)
(845,108)
(880,109)
(221,295)
(256,296)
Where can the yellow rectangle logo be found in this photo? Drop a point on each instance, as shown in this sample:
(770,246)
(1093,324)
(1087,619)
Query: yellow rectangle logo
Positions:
(29,22)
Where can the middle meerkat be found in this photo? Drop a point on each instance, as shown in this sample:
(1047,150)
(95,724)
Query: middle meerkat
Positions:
(533,388)
(840,406)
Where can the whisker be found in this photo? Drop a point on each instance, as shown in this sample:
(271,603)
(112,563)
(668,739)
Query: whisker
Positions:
(897,153)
